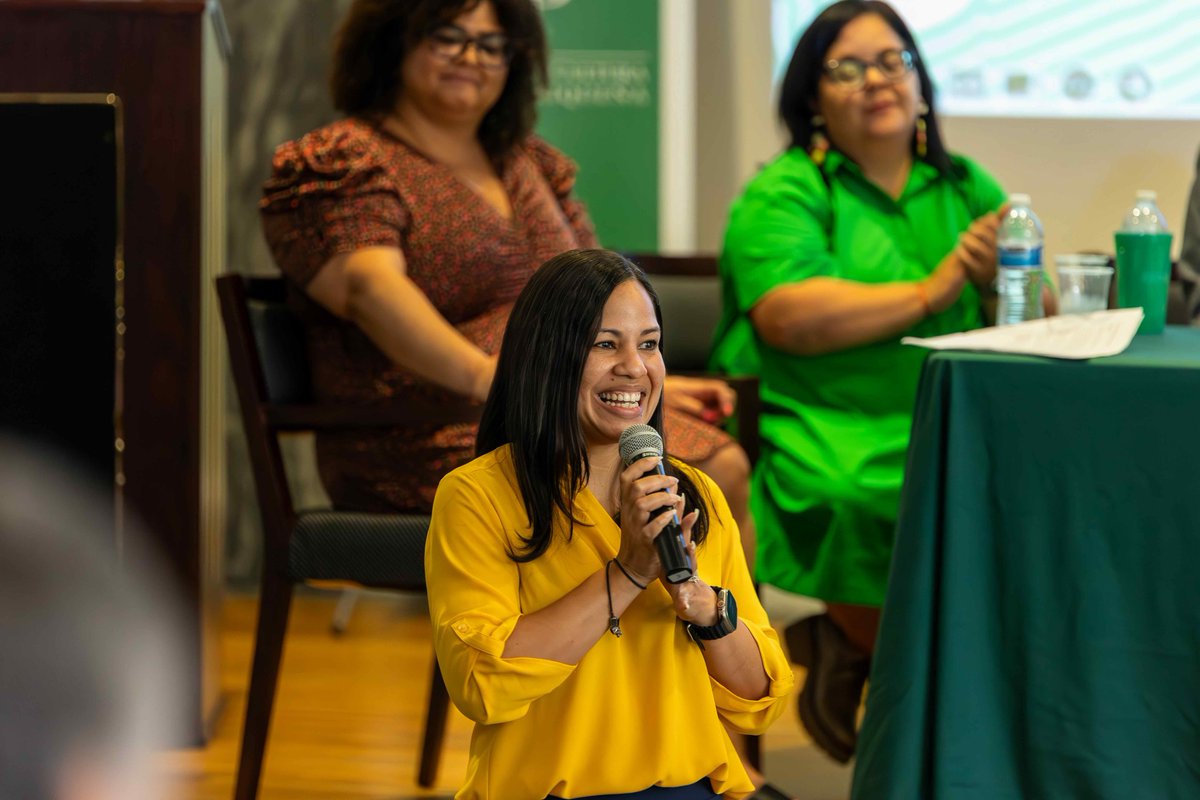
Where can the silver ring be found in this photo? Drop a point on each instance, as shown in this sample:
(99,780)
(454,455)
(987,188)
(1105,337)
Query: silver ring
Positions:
(694,579)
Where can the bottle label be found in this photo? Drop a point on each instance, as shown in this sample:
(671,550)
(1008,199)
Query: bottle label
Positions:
(1024,257)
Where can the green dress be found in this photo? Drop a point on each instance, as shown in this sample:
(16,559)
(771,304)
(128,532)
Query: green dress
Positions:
(835,426)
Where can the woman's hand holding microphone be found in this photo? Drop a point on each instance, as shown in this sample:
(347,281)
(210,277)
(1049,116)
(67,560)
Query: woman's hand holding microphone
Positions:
(649,503)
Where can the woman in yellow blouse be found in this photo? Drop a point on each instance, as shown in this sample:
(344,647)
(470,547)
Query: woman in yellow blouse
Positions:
(586,673)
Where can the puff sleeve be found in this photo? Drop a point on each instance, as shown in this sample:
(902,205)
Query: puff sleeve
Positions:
(559,172)
(329,193)
(778,233)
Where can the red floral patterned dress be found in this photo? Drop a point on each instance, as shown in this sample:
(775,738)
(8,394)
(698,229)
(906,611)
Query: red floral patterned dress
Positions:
(351,185)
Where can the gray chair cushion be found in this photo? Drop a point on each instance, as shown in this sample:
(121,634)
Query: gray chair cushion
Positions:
(381,550)
(691,309)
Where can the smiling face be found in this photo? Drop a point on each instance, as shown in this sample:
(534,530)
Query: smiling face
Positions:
(623,375)
(459,87)
(882,110)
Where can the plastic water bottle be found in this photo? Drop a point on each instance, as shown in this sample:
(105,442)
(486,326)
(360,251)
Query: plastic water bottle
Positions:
(1019,272)
(1145,216)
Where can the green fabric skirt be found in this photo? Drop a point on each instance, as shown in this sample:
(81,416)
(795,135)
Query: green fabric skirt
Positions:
(833,549)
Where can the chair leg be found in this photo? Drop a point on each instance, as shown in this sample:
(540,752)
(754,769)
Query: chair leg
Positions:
(344,609)
(754,751)
(275,602)
(435,728)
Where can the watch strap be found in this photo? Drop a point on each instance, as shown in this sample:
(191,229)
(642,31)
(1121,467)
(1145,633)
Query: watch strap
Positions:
(726,619)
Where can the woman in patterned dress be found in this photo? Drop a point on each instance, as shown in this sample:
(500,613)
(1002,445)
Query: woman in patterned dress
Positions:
(407,229)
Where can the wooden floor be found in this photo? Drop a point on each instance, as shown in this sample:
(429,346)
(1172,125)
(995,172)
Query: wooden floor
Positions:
(349,712)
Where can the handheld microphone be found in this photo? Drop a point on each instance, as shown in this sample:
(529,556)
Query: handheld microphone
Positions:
(642,441)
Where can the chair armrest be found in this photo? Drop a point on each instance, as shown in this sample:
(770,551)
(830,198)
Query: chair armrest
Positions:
(745,416)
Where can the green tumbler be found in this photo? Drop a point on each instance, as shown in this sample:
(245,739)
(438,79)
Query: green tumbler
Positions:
(1143,273)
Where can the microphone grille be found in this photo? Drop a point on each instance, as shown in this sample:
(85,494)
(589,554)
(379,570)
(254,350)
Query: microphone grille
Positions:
(639,441)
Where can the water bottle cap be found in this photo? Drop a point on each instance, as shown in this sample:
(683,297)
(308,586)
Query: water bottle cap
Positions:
(1147,194)
(1018,199)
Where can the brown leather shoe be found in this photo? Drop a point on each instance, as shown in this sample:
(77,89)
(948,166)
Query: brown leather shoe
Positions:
(798,637)
(832,691)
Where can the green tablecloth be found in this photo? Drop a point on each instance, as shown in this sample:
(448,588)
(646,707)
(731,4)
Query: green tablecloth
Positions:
(1041,633)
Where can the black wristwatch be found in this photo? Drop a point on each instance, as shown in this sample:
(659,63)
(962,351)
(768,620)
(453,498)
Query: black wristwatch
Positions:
(726,620)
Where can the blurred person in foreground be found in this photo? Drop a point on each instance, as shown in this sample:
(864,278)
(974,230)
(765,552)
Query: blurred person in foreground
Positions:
(407,229)
(88,655)
(863,230)
(587,674)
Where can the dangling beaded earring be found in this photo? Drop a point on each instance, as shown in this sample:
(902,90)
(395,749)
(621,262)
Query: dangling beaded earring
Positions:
(819,145)
(922,136)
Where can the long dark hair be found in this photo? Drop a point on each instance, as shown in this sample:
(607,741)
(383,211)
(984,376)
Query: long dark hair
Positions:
(798,93)
(534,401)
(377,35)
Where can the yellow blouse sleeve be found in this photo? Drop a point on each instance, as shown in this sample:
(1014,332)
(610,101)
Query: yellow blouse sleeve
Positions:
(474,604)
(743,714)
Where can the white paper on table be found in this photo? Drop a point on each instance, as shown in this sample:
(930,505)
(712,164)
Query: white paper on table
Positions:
(1094,335)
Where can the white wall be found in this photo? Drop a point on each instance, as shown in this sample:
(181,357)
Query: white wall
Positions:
(1081,174)
(736,128)
(677,127)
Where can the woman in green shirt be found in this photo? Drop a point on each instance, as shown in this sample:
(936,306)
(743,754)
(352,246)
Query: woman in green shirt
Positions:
(865,229)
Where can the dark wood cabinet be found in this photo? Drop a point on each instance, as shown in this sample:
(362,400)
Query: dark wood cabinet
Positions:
(122,270)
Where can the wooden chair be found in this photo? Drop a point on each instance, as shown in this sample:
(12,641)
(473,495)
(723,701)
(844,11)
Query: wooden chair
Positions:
(689,293)
(1178,292)
(270,368)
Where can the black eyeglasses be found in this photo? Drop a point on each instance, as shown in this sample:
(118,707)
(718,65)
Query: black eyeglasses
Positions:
(851,73)
(450,42)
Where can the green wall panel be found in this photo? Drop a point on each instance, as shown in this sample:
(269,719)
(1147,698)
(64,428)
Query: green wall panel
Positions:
(602,110)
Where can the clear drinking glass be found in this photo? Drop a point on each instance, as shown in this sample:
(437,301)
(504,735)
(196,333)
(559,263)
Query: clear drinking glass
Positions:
(1083,282)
